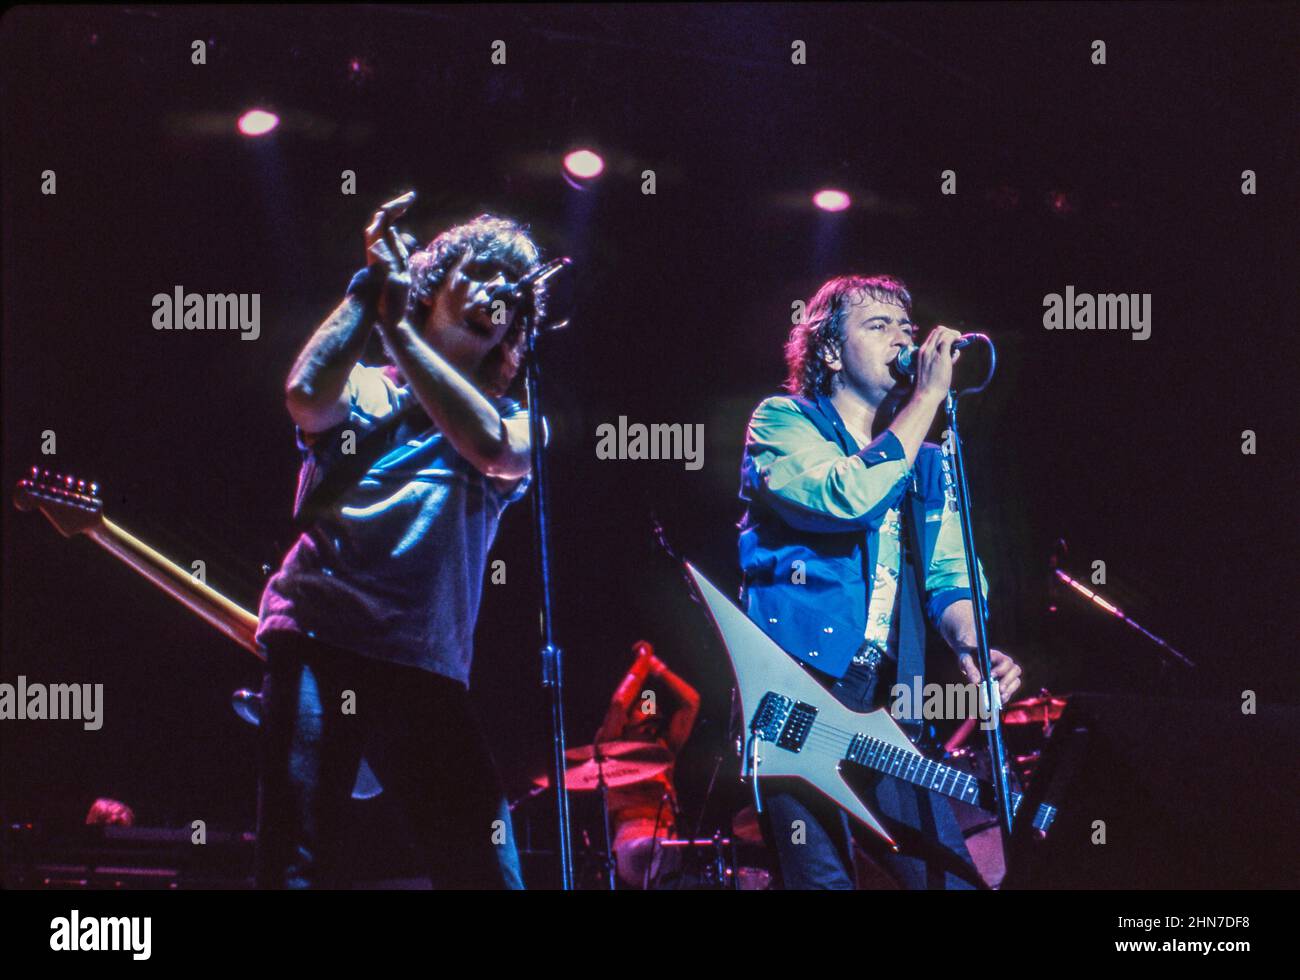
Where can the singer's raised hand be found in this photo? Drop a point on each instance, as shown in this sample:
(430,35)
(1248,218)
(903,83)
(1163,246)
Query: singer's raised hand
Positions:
(934,364)
(386,254)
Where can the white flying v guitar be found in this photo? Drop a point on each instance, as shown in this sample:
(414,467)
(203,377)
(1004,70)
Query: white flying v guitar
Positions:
(795,728)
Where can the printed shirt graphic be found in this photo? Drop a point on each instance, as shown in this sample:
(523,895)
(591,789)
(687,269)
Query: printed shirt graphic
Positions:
(947,570)
(889,562)
(393,569)
(884,586)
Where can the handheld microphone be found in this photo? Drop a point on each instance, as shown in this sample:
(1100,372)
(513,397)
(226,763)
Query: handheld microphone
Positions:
(907,359)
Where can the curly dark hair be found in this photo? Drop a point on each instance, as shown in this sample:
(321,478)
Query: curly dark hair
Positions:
(503,243)
(821,329)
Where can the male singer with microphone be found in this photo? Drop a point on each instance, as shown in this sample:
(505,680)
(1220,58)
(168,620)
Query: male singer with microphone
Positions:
(850,543)
(369,622)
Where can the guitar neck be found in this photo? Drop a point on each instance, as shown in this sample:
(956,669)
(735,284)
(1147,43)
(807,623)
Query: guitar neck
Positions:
(920,771)
(200,598)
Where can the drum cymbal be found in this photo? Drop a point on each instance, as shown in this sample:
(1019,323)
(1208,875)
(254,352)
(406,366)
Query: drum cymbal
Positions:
(1033,711)
(585,776)
(624,763)
(644,751)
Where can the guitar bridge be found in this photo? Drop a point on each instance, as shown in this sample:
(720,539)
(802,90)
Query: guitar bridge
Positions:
(783,720)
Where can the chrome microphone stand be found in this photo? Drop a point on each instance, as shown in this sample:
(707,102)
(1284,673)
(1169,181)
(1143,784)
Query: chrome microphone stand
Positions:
(997,748)
(552,657)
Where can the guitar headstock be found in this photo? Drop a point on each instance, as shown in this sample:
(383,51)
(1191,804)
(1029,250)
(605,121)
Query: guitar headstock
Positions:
(72,506)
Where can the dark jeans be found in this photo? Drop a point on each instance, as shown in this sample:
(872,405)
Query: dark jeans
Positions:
(422,741)
(933,851)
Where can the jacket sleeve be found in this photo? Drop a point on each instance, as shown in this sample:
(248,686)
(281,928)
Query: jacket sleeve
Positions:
(946,580)
(809,482)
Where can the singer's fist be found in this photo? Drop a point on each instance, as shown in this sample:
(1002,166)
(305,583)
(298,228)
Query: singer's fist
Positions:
(386,252)
(384,244)
(934,363)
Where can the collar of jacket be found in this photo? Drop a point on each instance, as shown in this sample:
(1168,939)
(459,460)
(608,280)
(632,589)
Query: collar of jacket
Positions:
(821,410)
(826,417)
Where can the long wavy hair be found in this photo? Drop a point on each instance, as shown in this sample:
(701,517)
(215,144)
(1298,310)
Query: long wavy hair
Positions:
(821,329)
(493,239)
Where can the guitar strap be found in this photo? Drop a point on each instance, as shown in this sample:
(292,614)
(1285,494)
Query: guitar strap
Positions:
(349,471)
(911,589)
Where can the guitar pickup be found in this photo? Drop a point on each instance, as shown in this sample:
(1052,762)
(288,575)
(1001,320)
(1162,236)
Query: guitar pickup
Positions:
(783,720)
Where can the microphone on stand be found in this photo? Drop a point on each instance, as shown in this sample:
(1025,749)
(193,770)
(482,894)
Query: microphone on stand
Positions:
(907,359)
(511,291)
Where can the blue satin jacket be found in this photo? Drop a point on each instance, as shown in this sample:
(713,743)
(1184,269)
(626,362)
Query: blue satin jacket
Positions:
(809,539)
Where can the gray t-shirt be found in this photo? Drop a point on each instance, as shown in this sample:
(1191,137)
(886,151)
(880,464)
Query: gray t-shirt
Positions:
(393,569)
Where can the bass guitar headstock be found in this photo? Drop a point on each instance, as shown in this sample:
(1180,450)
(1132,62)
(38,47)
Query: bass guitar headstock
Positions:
(73,506)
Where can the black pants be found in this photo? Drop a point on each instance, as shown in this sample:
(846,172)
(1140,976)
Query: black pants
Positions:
(322,707)
(817,852)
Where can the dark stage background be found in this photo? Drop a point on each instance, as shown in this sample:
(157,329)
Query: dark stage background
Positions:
(1117,178)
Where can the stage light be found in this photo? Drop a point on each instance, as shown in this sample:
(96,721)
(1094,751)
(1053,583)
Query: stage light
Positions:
(584,164)
(258,122)
(831,200)
(1062,203)
(359,71)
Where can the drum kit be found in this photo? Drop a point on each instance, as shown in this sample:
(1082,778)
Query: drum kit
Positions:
(1028,726)
(616,763)
(736,858)
(711,863)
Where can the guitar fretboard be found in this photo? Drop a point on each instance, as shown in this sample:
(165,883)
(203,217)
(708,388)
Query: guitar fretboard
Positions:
(893,761)
(917,769)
